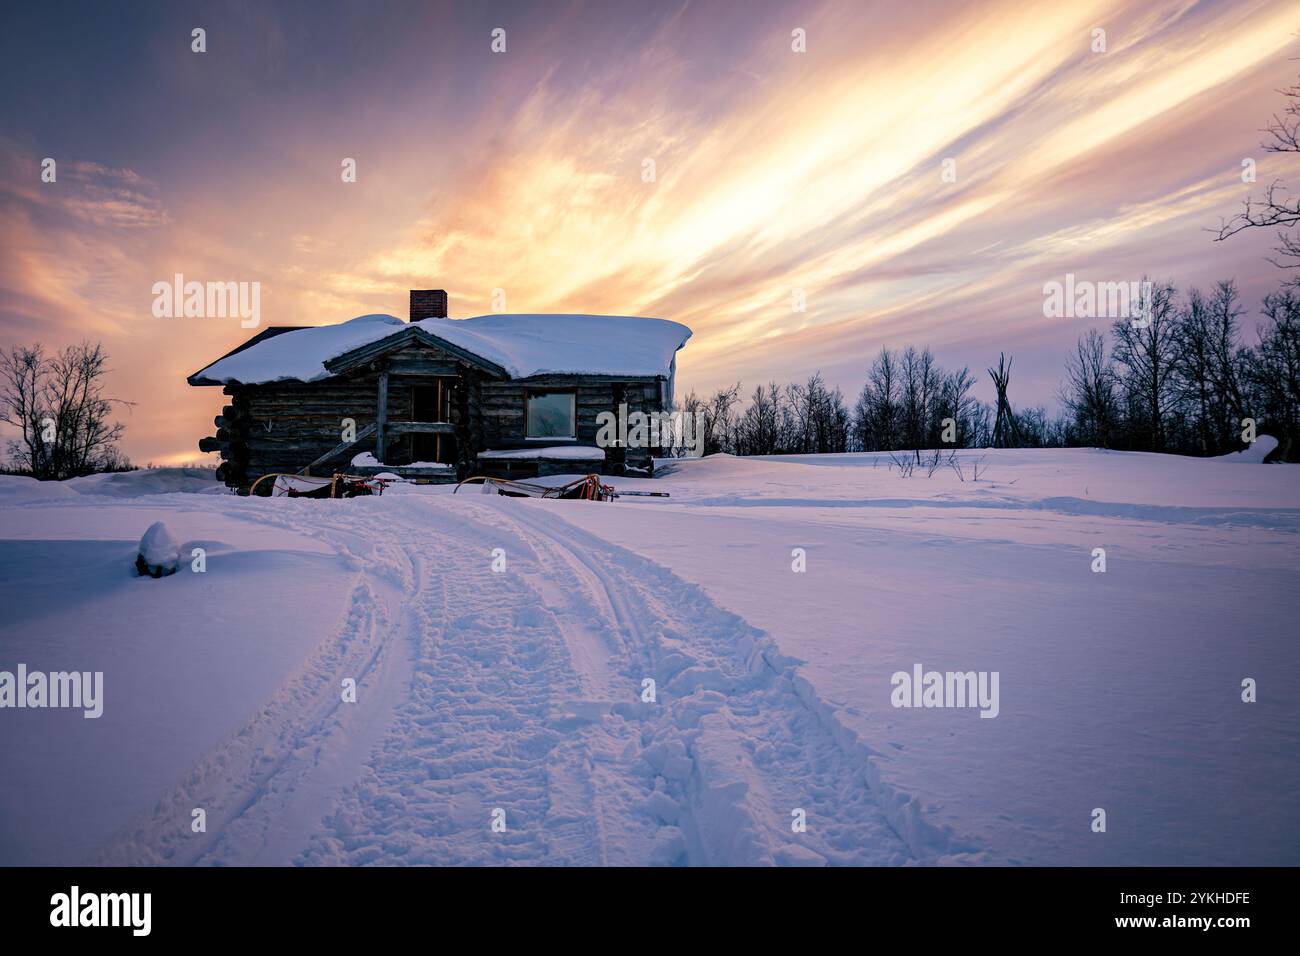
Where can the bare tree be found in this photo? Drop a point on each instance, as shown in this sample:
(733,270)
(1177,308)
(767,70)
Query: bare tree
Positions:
(980,423)
(818,416)
(1226,368)
(1089,391)
(1275,368)
(718,416)
(57,403)
(1148,348)
(758,432)
(876,415)
(919,384)
(954,401)
(1276,209)
(1193,380)
(22,376)
(1208,369)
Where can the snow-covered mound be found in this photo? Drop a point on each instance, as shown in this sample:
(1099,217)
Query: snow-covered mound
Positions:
(159,552)
(1260,449)
(15,489)
(148,481)
(524,345)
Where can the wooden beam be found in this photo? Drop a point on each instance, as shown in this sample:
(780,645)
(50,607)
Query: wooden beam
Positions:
(381,416)
(421,428)
(546,379)
(341,448)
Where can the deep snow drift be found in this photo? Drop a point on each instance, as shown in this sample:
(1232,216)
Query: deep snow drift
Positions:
(501,651)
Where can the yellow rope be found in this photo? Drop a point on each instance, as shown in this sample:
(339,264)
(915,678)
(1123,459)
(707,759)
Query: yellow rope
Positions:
(275,474)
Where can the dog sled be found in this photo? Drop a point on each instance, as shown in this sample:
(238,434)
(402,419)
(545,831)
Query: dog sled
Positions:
(285,485)
(590,488)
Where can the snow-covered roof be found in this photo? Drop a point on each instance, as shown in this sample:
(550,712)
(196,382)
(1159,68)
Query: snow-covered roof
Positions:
(523,345)
(574,452)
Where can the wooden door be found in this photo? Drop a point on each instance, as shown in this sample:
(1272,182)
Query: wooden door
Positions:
(429,403)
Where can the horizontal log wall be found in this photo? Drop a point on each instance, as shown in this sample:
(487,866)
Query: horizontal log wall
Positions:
(294,424)
(284,426)
(504,410)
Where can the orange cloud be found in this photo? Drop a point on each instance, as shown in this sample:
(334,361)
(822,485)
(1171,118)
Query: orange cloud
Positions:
(773,171)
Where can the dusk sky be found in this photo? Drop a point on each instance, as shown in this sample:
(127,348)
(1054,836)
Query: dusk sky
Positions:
(775,170)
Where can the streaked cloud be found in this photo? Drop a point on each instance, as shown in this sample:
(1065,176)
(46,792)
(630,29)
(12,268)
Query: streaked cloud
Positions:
(774,171)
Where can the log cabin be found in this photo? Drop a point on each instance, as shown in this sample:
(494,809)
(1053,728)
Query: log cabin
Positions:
(439,399)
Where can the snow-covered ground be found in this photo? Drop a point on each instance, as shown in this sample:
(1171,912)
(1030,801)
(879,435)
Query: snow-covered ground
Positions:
(501,649)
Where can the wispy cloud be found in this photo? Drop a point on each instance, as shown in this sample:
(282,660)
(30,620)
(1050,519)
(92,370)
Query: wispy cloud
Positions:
(773,171)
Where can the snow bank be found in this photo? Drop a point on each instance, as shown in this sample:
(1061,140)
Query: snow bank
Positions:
(524,345)
(17,489)
(149,481)
(1255,454)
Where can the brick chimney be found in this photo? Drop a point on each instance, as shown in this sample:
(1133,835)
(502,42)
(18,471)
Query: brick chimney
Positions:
(428,303)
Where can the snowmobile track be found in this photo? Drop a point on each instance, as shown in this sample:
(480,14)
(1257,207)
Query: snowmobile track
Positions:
(726,698)
(506,723)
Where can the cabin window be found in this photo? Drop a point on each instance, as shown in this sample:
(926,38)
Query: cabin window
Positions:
(552,415)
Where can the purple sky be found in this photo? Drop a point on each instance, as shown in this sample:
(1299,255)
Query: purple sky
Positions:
(776,173)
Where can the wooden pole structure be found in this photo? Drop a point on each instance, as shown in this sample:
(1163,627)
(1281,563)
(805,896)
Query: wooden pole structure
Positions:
(1006,433)
(381,417)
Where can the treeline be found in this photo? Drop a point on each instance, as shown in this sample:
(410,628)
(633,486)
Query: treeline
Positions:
(1184,382)
(1181,381)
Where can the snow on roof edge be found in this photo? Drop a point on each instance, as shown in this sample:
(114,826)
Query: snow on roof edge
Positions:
(524,344)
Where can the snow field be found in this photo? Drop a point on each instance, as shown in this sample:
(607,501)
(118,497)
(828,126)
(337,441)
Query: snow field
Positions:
(520,690)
